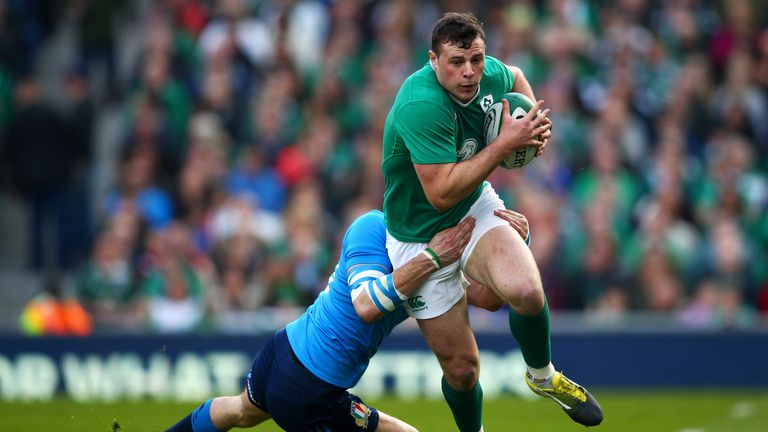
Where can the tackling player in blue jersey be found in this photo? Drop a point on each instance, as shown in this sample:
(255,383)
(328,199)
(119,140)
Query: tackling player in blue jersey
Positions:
(300,378)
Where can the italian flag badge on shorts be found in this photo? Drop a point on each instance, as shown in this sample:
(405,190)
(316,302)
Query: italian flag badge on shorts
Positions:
(360,413)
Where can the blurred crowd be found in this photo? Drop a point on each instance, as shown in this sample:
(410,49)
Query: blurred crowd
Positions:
(252,137)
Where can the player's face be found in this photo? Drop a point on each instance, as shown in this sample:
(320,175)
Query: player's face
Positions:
(459,69)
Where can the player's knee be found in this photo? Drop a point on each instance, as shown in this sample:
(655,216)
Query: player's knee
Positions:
(247,414)
(529,299)
(462,373)
(525,293)
(522,290)
(246,419)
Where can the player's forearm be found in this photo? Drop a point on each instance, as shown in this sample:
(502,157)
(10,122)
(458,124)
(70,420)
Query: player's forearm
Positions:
(464,177)
(407,280)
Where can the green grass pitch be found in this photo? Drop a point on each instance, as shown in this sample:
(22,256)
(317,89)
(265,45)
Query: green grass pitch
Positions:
(626,411)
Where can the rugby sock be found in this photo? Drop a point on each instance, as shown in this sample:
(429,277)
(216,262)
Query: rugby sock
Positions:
(532,334)
(466,406)
(184,425)
(541,374)
(198,421)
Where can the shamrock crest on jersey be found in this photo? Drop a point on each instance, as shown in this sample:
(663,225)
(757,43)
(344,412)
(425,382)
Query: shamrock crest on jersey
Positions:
(486,102)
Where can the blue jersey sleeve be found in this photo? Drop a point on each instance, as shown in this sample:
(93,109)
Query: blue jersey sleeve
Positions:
(365,246)
(367,263)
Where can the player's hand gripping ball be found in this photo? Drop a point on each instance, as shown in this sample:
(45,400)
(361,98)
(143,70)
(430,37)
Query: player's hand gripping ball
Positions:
(519,105)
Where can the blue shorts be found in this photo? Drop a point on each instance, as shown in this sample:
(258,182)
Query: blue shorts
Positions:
(298,400)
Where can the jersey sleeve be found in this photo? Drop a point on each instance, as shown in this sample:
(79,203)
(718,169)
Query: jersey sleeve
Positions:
(508,79)
(428,130)
(365,252)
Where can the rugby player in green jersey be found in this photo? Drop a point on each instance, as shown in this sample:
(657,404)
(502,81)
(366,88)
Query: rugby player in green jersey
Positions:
(435,165)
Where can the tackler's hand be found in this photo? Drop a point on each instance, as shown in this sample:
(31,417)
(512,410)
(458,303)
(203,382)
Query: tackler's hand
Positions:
(449,243)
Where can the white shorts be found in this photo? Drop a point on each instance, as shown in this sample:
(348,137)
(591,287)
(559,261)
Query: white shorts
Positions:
(445,287)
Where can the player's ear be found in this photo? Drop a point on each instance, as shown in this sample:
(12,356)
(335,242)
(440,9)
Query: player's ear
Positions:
(433,59)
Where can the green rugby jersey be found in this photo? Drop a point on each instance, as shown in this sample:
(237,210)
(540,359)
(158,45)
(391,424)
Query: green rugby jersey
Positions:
(427,126)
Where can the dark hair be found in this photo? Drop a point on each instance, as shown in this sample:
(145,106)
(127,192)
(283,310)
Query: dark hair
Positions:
(459,29)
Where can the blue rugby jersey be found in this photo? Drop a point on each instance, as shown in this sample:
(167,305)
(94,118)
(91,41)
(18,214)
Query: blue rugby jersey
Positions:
(330,339)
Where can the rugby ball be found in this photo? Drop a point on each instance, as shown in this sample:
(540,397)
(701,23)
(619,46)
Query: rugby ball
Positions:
(519,105)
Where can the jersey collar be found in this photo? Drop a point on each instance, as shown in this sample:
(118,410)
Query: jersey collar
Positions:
(462,104)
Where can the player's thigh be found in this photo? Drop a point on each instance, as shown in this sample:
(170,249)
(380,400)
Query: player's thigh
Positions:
(450,337)
(250,414)
(387,423)
(236,411)
(502,261)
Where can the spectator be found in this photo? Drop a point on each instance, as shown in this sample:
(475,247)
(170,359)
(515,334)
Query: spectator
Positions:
(137,189)
(79,121)
(657,285)
(174,290)
(716,305)
(42,159)
(241,41)
(106,284)
(727,254)
(240,284)
(157,85)
(96,41)
(257,181)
